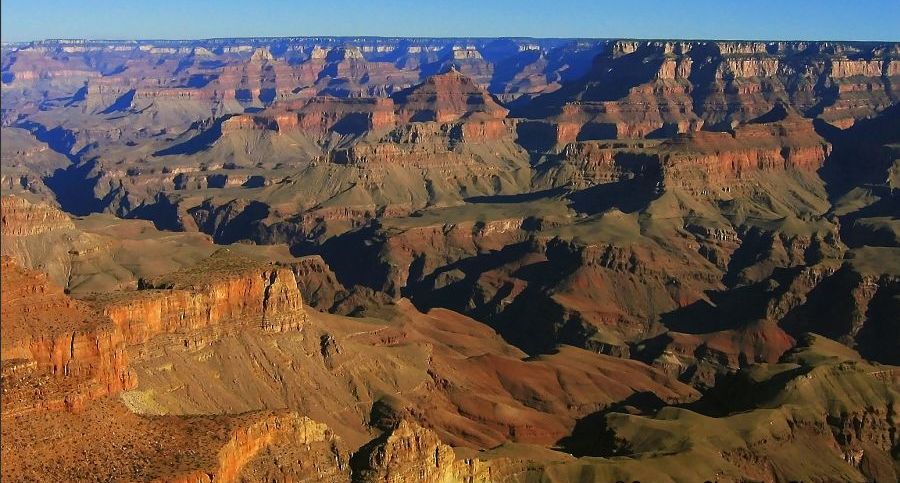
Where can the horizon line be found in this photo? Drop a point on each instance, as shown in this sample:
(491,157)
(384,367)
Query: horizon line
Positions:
(416,37)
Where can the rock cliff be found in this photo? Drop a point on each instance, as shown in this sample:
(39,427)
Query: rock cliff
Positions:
(779,140)
(23,218)
(220,290)
(58,353)
(653,88)
(247,447)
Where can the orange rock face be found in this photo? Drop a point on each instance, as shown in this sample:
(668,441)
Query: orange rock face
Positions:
(246,442)
(221,290)
(484,129)
(78,352)
(787,141)
(242,122)
(410,452)
(446,98)
(321,115)
(57,352)
(442,99)
(22,218)
(644,89)
(259,446)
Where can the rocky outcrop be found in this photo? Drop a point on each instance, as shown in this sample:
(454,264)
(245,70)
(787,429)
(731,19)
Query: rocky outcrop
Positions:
(407,452)
(583,164)
(699,359)
(777,141)
(434,145)
(25,162)
(445,98)
(42,237)
(320,116)
(633,91)
(221,290)
(317,283)
(281,446)
(23,218)
(399,258)
(442,99)
(651,88)
(410,452)
(256,446)
(58,353)
(861,319)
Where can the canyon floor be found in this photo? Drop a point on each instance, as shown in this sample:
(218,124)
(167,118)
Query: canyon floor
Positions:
(479,260)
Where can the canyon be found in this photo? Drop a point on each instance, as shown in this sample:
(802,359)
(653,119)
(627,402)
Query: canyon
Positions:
(459,259)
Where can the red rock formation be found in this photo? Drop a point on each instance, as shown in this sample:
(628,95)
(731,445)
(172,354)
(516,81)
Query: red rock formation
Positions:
(319,116)
(640,89)
(705,356)
(480,128)
(34,64)
(317,283)
(633,91)
(587,163)
(780,140)
(19,217)
(434,246)
(446,98)
(57,352)
(435,145)
(220,290)
(322,115)
(244,121)
(106,442)
(41,237)
(410,452)
(243,457)
(863,86)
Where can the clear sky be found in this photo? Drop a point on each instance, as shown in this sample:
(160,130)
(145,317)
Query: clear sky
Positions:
(192,19)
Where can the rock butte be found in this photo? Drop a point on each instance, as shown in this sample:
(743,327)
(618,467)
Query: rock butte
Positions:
(373,259)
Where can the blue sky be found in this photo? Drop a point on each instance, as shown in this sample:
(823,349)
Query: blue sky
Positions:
(186,19)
